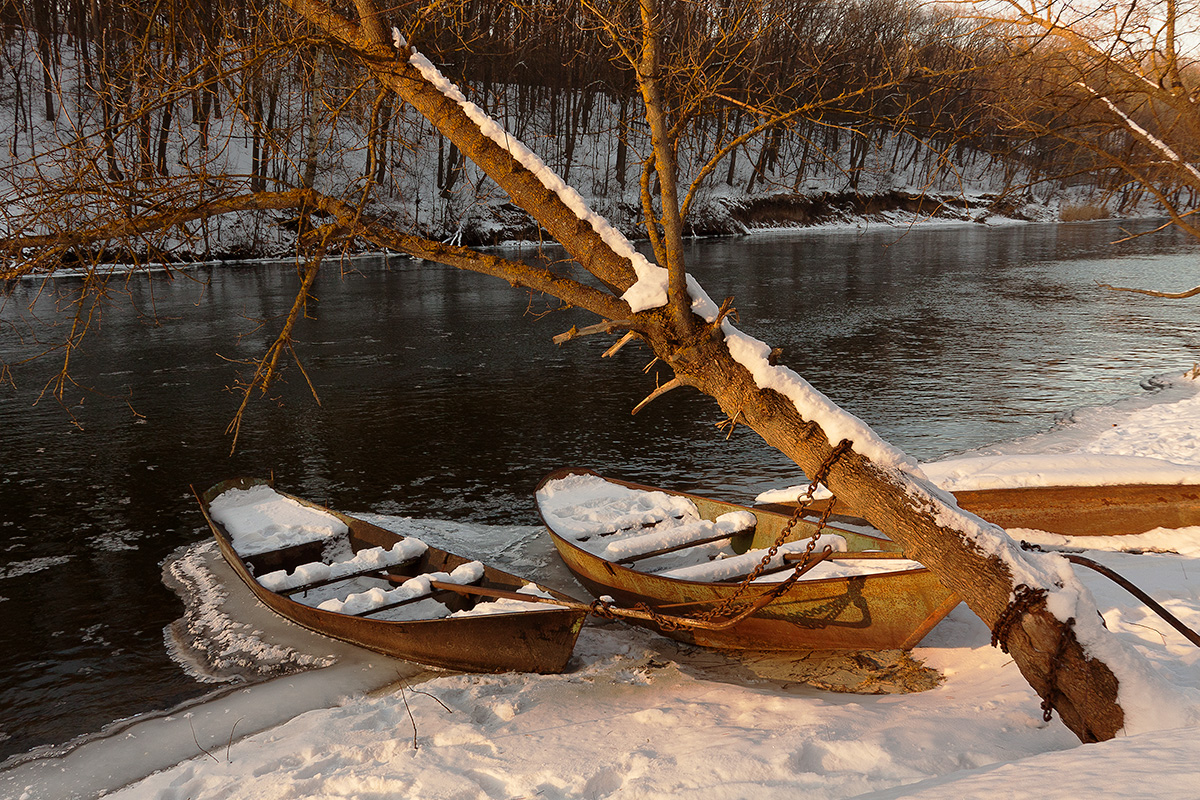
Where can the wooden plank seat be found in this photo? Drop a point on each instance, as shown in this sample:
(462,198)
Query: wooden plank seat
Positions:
(367,561)
(414,590)
(662,551)
(855,555)
(737,567)
(680,535)
(433,594)
(627,529)
(790,560)
(383,573)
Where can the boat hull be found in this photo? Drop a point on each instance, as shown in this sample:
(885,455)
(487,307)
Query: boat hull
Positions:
(868,612)
(1075,510)
(539,640)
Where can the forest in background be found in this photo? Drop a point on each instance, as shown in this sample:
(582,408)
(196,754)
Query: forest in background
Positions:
(808,112)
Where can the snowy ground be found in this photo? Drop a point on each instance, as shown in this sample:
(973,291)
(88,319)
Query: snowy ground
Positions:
(639,716)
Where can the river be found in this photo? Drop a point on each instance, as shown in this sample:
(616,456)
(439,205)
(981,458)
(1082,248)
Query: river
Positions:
(442,396)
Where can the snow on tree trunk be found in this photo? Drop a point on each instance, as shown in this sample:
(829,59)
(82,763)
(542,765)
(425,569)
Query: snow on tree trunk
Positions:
(1038,610)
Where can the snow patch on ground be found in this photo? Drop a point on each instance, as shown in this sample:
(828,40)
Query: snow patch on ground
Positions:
(630,720)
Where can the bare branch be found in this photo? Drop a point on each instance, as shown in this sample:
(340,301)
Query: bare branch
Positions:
(1152,293)
(674,383)
(624,340)
(607,326)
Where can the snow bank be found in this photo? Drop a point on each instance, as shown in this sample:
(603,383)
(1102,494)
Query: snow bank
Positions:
(1184,541)
(1065,469)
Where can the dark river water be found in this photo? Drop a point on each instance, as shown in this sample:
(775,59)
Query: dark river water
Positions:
(442,396)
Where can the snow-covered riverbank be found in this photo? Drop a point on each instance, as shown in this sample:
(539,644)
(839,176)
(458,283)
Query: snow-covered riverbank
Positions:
(639,716)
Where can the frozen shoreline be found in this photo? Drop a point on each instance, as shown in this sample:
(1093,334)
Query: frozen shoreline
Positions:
(636,718)
(861,225)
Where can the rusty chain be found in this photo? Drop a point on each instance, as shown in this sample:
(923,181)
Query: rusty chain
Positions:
(664,623)
(1052,671)
(1024,599)
(819,477)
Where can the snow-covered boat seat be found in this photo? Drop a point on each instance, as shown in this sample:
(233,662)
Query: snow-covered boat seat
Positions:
(675,533)
(364,562)
(373,601)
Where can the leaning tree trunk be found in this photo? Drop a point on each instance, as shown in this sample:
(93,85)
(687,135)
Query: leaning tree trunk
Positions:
(969,556)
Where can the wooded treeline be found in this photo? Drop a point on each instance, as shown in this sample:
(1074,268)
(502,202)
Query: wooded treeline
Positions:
(147,126)
(118,106)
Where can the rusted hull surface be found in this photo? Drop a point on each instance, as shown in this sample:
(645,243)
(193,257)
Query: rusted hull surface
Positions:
(870,612)
(1087,510)
(1081,510)
(530,641)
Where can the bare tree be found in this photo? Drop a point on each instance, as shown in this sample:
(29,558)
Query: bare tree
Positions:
(1117,81)
(1028,601)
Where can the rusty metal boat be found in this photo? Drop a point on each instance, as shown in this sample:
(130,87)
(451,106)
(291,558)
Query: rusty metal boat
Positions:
(351,580)
(1113,510)
(681,556)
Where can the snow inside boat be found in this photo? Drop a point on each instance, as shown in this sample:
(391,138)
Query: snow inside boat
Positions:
(683,556)
(351,580)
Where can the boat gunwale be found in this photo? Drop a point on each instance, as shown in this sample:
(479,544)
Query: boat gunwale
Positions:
(1083,510)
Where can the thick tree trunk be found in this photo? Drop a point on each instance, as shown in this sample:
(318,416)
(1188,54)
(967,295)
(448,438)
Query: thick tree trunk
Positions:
(1081,689)
(927,526)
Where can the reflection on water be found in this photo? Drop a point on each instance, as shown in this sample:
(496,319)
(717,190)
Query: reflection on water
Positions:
(442,396)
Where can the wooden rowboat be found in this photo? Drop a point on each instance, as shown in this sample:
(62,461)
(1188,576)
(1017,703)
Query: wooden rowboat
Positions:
(354,581)
(1071,510)
(683,556)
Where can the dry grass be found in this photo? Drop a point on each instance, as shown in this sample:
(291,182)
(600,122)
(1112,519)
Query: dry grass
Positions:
(1084,213)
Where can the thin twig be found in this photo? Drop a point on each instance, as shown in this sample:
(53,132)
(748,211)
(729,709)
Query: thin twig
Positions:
(411,718)
(197,741)
(607,326)
(1152,293)
(229,747)
(674,383)
(731,423)
(1147,627)
(449,710)
(624,340)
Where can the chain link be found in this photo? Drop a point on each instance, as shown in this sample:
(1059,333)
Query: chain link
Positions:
(1024,599)
(1052,671)
(602,608)
(664,623)
(819,477)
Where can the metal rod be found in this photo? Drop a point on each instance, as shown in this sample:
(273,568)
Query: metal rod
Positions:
(1167,616)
